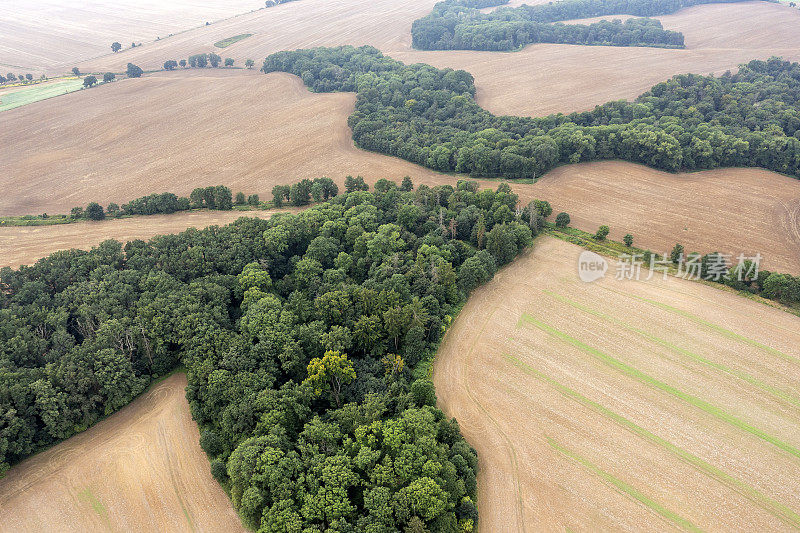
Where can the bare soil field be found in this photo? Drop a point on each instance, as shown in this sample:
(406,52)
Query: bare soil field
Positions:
(177,131)
(142,469)
(23,245)
(624,405)
(53,35)
(554,78)
(385,24)
(733,210)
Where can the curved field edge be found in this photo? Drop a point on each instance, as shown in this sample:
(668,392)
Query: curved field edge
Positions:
(468,371)
(141,468)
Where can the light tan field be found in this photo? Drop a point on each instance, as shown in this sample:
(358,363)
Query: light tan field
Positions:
(23,245)
(177,131)
(54,35)
(731,210)
(553,78)
(624,405)
(142,469)
(385,24)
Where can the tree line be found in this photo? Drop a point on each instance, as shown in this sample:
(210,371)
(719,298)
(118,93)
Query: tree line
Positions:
(429,116)
(306,339)
(460,25)
(217,197)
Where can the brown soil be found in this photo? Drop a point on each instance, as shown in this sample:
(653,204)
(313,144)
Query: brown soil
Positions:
(569,441)
(142,469)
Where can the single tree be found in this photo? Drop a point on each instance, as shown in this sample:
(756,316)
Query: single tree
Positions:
(76,212)
(407,184)
(253,200)
(229,62)
(109,76)
(628,240)
(249,63)
(134,71)
(89,81)
(602,233)
(214,60)
(562,220)
(182,63)
(76,71)
(330,373)
(677,254)
(113,210)
(239,198)
(29,77)
(94,211)
(116,47)
(170,64)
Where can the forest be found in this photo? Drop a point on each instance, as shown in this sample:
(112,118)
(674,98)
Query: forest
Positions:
(430,117)
(460,25)
(306,338)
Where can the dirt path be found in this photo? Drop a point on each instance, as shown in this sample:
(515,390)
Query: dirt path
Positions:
(624,406)
(142,469)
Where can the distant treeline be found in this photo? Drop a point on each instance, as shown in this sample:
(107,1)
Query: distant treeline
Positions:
(460,25)
(429,116)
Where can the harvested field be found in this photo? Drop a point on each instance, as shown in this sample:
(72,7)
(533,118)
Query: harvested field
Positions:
(733,210)
(177,131)
(382,23)
(23,245)
(554,78)
(142,469)
(624,405)
(47,35)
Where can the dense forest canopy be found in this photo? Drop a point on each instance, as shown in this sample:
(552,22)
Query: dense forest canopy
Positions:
(306,339)
(460,25)
(429,116)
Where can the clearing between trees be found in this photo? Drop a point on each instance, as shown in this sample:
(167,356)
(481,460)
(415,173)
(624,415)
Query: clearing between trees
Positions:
(623,405)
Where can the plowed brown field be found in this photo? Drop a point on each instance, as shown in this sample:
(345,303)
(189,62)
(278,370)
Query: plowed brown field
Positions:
(177,131)
(45,35)
(733,210)
(624,405)
(142,469)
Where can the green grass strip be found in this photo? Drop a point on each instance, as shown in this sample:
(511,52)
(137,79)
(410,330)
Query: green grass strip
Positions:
(775,508)
(686,353)
(626,488)
(719,329)
(231,40)
(640,376)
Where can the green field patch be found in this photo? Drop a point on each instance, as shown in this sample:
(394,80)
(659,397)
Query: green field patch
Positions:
(231,40)
(773,507)
(686,353)
(28,95)
(625,488)
(714,327)
(87,496)
(646,379)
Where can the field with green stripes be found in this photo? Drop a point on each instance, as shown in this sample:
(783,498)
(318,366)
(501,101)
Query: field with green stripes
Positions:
(624,405)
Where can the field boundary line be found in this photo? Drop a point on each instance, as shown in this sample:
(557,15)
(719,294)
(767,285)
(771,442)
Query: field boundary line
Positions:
(625,488)
(744,376)
(646,379)
(775,508)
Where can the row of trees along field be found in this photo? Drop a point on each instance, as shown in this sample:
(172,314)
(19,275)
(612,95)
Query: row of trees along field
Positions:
(429,116)
(460,25)
(306,339)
